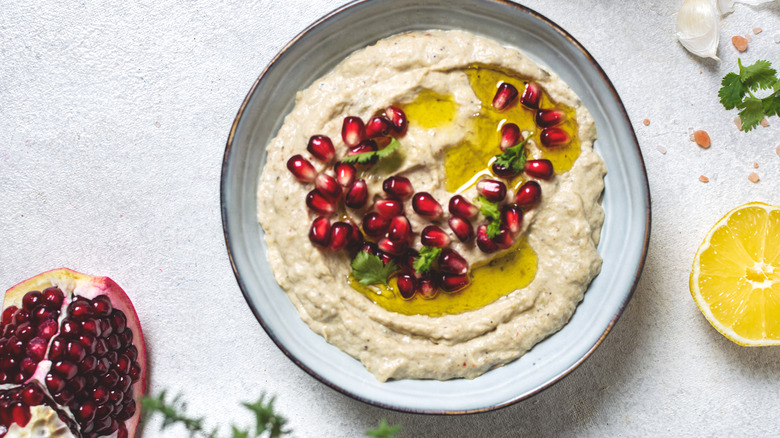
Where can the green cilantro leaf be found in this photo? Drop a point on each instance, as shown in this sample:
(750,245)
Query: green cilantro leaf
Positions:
(760,75)
(736,92)
(369,269)
(428,255)
(513,158)
(732,91)
(492,213)
(752,111)
(384,430)
(373,156)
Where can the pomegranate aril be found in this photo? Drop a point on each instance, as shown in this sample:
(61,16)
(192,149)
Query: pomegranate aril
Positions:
(42,312)
(54,383)
(70,328)
(453,263)
(345,174)
(492,190)
(552,137)
(549,117)
(57,349)
(504,239)
(65,369)
(434,236)
(397,118)
(79,310)
(363,147)
(31,299)
(510,136)
(91,327)
(77,384)
(542,169)
(426,205)
(32,395)
(398,187)
(53,296)
(462,208)
(88,365)
(355,237)
(505,96)
(63,397)
(531,95)
(353,130)
(339,236)
(512,218)
(132,352)
(319,203)
(301,168)
(374,224)
(385,257)
(102,306)
(427,287)
(118,321)
(399,230)
(503,170)
(357,195)
(389,207)
(390,247)
(20,413)
(36,348)
(462,228)
(21,316)
(128,410)
(528,194)
(8,314)
(406,285)
(75,351)
(99,394)
(29,365)
(319,233)
(86,412)
(378,126)
(25,331)
(453,283)
(485,243)
(321,147)
(328,186)
(406,260)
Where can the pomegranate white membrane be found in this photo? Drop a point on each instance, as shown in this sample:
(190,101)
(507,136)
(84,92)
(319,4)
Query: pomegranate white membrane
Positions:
(432,205)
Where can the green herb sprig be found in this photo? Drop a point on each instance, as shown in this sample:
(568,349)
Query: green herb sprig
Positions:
(428,256)
(737,92)
(492,213)
(372,157)
(268,424)
(514,157)
(370,269)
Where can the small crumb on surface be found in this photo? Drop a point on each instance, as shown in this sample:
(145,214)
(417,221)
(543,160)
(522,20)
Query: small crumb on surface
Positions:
(748,37)
(701,138)
(753,177)
(661,149)
(764,122)
(157,124)
(757,30)
(646,122)
(777,38)
(740,42)
(738,122)
(778,150)
(755,165)
(704,179)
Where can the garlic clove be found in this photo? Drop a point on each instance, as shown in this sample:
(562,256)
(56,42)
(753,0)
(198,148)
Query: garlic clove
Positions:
(698,25)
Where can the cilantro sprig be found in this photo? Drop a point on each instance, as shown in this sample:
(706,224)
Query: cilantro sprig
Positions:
(372,157)
(514,157)
(428,256)
(492,213)
(737,92)
(370,269)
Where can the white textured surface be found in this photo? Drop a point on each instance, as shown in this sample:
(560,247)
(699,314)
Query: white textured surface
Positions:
(113,121)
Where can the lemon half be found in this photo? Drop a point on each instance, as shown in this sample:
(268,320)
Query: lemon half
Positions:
(735,279)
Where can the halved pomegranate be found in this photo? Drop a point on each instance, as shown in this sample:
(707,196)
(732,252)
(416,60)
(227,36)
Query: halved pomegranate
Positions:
(72,358)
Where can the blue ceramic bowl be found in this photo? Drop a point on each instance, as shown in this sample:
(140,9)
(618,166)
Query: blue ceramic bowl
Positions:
(626,199)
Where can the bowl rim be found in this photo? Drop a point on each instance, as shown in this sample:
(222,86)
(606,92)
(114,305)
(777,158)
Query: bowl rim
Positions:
(643,256)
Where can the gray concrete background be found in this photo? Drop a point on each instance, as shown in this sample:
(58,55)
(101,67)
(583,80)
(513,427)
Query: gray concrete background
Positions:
(113,122)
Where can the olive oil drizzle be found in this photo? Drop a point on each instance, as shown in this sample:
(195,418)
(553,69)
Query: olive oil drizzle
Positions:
(464,164)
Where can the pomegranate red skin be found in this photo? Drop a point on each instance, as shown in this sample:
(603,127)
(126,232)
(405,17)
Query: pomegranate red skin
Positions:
(505,96)
(91,287)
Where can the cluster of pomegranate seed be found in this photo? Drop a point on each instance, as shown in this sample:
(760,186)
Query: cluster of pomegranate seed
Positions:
(93,361)
(15,406)
(331,189)
(547,119)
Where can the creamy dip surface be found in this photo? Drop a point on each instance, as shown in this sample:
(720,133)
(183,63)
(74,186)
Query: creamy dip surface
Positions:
(563,230)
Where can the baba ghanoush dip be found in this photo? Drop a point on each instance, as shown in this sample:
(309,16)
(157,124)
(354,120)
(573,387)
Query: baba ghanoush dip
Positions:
(432,206)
